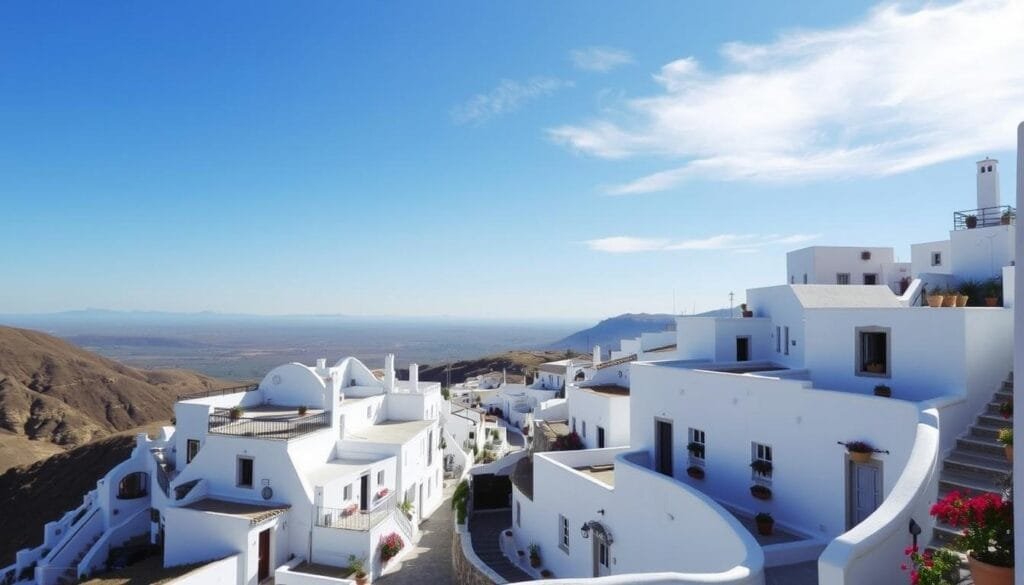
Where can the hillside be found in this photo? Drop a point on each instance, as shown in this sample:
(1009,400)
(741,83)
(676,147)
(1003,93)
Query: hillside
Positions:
(610,331)
(513,362)
(54,395)
(33,495)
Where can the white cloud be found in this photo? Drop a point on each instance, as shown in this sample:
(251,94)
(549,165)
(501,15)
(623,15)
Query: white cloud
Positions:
(902,89)
(744,243)
(599,59)
(508,96)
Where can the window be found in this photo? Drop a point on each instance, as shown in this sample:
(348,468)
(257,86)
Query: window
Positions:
(870,278)
(843,278)
(244,478)
(873,351)
(563,533)
(778,339)
(348,492)
(574,424)
(519,514)
(472,435)
(380,477)
(792,279)
(785,340)
(761,462)
(696,447)
(990,168)
(584,429)
(191,450)
(805,278)
(936,258)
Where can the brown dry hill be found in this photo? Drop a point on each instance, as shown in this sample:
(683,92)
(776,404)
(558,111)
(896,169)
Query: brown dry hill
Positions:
(54,395)
(513,362)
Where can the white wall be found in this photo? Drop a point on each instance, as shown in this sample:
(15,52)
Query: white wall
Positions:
(222,572)
(980,253)
(821,264)
(921,258)
(801,424)
(294,385)
(607,411)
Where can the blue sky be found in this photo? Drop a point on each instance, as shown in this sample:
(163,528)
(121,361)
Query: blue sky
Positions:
(533,160)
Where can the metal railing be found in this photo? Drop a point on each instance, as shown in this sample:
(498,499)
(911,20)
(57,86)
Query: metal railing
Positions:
(274,428)
(220,391)
(615,362)
(361,520)
(984,217)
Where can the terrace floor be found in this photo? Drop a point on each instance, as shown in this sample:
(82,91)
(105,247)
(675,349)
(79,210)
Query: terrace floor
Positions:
(602,473)
(778,536)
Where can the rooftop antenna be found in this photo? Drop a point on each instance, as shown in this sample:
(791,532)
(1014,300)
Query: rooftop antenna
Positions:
(731,297)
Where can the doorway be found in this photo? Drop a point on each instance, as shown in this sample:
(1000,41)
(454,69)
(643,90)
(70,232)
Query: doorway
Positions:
(602,557)
(864,493)
(600,437)
(364,493)
(663,446)
(264,551)
(743,349)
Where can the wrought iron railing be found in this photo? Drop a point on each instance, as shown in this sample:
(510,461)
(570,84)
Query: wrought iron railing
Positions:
(222,422)
(220,391)
(984,217)
(353,518)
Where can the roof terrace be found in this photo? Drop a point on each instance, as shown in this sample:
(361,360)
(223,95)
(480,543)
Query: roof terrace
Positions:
(276,423)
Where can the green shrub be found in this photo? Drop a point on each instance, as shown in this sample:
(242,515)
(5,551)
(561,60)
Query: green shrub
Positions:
(459,499)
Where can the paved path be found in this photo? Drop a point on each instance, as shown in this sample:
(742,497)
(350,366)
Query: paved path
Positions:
(430,560)
(485,527)
(798,574)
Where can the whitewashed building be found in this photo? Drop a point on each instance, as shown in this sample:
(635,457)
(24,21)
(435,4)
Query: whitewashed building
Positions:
(312,464)
(751,415)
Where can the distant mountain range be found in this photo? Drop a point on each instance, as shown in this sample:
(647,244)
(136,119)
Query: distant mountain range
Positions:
(609,332)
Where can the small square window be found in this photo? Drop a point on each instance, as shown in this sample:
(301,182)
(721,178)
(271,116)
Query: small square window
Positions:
(191,450)
(348,492)
(936,258)
(843,278)
(697,446)
(380,477)
(244,477)
(563,533)
(805,278)
(873,348)
(761,466)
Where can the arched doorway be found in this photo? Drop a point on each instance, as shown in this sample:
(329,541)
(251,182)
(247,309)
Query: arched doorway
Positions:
(132,486)
(602,547)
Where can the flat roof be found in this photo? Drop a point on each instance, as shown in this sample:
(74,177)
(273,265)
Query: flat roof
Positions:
(602,473)
(255,513)
(340,468)
(607,389)
(845,296)
(395,432)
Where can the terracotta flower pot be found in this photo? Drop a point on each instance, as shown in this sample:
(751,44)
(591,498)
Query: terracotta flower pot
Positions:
(534,562)
(949,300)
(935,301)
(986,574)
(858,457)
(765,528)
(961,300)
(362,580)
(991,301)
(1008,449)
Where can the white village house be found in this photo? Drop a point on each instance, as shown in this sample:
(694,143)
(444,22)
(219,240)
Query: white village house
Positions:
(312,464)
(734,417)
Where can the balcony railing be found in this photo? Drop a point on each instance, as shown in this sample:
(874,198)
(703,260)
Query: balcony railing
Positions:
(220,391)
(273,428)
(349,519)
(984,217)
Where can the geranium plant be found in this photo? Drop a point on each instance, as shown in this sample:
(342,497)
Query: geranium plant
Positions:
(1006,409)
(390,546)
(859,447)
(986,521)
(940,567)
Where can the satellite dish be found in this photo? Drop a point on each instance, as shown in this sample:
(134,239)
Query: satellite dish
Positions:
(267,492)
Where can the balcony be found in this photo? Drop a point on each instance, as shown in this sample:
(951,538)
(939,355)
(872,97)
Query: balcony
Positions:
(352,518)
(984,217)
(273,423)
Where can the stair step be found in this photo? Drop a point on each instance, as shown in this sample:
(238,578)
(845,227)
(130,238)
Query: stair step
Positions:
(988,447)
(977,462)
(994,420)
(968,482)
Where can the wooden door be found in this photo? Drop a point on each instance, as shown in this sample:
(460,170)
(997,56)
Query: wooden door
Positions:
(264,567)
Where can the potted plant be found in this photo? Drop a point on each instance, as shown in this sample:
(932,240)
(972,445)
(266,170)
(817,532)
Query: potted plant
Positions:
(949,298)
(986,521)
(390,546)
(1006,217)
(935,299)
(765,523)
(747,313)
(761,492)
(303,410)
(1006,409)
(695,471)
(358,567)
(860,451)
(1006,440)
(761,467)
(546,574)
(696,449)
(235,413)
(883,390)
(991,290)
(971,221)
(534,555)
(406,508)
(938,567)
(961,300)
(874,368)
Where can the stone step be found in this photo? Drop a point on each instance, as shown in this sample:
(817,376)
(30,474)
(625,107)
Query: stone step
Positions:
(968,482)
(973,462)
(977,445)
(984,433)
(994,420)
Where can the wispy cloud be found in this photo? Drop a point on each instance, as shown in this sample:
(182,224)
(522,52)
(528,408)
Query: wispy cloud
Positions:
(599,59)
(508,96)
(902,89)
(734,242)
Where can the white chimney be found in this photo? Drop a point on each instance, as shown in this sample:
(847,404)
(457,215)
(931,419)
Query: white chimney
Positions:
(597,355)
(988,183)
(414,376)
(389,372)
(321,364)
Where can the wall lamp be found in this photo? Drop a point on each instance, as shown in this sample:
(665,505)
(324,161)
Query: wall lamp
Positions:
(915,530)
(585,530)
